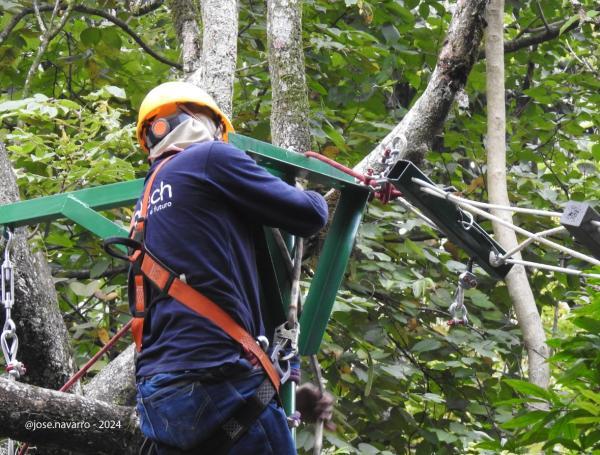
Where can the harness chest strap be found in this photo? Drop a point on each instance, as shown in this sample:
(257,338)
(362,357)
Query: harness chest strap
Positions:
(171,285)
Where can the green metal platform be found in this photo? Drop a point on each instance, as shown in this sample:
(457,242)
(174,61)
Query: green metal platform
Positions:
(82,208)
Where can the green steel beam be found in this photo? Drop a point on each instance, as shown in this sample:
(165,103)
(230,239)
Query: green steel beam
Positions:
(281,162)
(50,208)
(83,215)
(292,164)
(330,269)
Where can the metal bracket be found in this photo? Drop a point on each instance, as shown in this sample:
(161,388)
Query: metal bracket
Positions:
(579,218)
(457,224)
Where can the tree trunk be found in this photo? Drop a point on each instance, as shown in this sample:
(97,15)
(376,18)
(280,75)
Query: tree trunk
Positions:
(290,111)
(219,51)
(185,22)
(518,286)
(65,421)
(44,345)
(413,136)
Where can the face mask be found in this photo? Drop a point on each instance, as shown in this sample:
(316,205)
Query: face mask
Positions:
(199,128)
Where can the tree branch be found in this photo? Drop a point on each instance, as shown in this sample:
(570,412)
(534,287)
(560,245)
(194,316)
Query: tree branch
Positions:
(115,383)
(86,273)
(38,16)
(548,34)
(413,136)
(47,37)
(141,7)
(94,12)
(66,421)
(542,14)
(535,36)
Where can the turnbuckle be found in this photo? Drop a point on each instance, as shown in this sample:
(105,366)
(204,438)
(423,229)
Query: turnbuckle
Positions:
(7,272)
(458,310)
(9,342)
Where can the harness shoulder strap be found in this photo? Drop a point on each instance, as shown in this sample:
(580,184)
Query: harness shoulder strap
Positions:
(137,233)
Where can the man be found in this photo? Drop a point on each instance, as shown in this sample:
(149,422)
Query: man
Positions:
(205,201)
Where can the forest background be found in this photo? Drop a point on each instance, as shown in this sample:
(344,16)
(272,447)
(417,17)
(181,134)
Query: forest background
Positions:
(72,77)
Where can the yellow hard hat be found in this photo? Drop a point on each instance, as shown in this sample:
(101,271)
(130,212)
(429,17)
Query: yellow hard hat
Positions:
(163,99)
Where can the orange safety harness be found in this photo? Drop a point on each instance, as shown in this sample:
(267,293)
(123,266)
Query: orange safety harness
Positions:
(147,267)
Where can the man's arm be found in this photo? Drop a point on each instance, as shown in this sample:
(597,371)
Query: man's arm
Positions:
(262,196)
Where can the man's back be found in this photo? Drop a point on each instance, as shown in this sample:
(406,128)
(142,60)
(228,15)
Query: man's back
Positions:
(205,207)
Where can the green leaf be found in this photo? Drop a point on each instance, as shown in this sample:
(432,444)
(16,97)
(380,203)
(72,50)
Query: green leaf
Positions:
(587,323)
(591,395)
(479,299)
(99,268)
(335,137)
(390,33)
(592,408)
(90,36)
(111,37)
(398,371)
(59,238)
(527,388)
(563,428)
(585,420)
(568,23)
(524,420)
(117,92)
(445,436)
(428,344)
(368,449)
(433,397)
(84,290)
(419,287)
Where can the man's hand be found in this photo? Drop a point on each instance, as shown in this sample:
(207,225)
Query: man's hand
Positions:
(312,406)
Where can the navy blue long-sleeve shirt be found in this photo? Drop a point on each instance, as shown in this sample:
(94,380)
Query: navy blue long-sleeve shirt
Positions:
(203,211)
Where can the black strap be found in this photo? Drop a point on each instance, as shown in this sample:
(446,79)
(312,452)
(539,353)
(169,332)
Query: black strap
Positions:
(243,417)
(221,441)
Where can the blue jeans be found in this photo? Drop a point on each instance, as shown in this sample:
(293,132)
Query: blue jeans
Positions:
(181,410)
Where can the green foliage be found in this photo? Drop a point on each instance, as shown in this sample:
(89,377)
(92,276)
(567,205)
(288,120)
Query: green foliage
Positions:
(406,382)
(571,421)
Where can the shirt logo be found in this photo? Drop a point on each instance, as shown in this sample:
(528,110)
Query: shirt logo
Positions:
(160,198)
